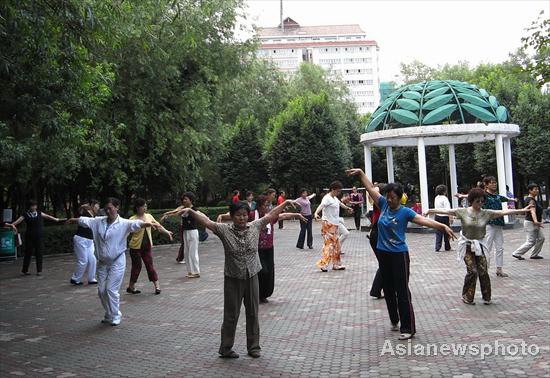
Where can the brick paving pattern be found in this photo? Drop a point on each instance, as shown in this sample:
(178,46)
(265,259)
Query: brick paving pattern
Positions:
(316,324)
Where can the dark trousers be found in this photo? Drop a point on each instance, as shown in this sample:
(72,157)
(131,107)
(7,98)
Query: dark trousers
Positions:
(234,291)
(476,266)
(395,277)
(442,234)
(181,253)
(146,255)
(266,276)
(280,224)
(306,228)
(357,216)
(376,288)
(33,245)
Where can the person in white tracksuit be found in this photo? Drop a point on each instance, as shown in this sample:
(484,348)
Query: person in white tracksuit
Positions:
(83,244)
(110,240)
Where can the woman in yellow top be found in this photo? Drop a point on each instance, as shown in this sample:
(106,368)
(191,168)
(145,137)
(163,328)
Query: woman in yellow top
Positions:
(140,247)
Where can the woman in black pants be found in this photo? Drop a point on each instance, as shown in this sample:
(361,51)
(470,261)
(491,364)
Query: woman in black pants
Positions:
(442,202)
(357,206)
(34,220)
(393,251)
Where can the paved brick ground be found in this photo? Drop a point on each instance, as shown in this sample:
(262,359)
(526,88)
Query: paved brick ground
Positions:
(317,324)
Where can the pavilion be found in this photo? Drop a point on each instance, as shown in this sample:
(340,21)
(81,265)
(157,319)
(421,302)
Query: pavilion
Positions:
(440,112)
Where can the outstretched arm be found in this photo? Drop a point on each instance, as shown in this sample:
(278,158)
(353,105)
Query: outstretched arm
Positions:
(223,217)
(286,216)
(366,182)
(318,210)
(201,219)
(310,197)
(14,224)
(450,212)
(50,218)
(501,213)
(422,221)
(273,215)
(171,213)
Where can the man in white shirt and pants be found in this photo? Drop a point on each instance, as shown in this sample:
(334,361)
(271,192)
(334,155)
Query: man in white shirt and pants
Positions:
(110,240)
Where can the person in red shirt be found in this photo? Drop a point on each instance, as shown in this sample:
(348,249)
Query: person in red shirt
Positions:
(236,195)
(280,200)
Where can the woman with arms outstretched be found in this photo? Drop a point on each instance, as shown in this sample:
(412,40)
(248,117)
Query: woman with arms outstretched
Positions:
(393,251)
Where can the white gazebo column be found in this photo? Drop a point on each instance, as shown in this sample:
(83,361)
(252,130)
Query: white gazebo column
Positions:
(368,161)
(508,164)
(423,174)
(368,170)
(501,170)
(452,170)
(389,164)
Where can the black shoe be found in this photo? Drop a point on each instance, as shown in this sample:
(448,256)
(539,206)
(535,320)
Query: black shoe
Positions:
(38,273)
(230,354)
(25,273)
(310,246)
(299,247)
(157,291)
(264,300)
(92,282)
(75,282)
(518,257)
(254,354)
(132,291)
(536,257)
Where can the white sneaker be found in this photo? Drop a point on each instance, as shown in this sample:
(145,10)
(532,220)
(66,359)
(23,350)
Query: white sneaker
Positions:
(115,322)
(405,336)
(180,262)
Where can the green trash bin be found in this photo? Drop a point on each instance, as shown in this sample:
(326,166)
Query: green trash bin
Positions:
(7,243)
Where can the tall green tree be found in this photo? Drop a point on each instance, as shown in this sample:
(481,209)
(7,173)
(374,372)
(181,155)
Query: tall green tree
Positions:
(307,145)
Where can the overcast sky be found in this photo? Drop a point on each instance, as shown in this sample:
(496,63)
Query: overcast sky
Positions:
(434,32)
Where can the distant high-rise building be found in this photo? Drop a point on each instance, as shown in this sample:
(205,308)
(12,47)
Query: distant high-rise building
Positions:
(342,50)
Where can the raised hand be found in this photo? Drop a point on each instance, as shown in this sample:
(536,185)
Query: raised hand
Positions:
(354,171)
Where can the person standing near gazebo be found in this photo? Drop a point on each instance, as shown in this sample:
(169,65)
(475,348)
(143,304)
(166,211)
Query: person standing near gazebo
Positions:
(532,226)
(494,234)
(393,251)
(356,203)
(442,202)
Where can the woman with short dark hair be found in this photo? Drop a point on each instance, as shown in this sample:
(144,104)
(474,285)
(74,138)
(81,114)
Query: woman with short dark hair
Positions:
(471,246)
(141,243)
(240,243)
(393,251)
(34,220)
(532,226)
(83,244)
(330,205)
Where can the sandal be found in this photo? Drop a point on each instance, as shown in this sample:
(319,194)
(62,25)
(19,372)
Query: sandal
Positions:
(133,291)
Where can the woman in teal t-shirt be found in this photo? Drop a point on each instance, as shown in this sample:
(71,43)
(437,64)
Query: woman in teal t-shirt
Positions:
(393,252)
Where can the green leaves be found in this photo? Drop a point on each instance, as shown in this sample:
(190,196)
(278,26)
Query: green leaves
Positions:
(439,114)
(412,95)
(502,114)
(437,102)
(437,92)
(475,100)
(493,101)
(404,116)
(479,112)
(408,104)
(376,121)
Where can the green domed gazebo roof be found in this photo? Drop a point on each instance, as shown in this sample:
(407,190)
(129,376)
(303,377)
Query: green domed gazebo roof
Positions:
(437,102)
